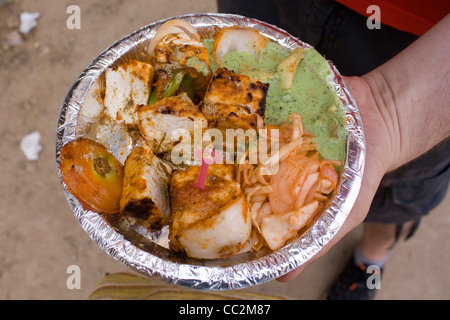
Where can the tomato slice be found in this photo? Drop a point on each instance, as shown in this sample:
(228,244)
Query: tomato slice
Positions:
(92,174)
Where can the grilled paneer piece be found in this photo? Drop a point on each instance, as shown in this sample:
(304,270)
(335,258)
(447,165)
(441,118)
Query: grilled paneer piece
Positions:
(210,223)
(181,66)
(145,191)
(158,122)
(127,86)
(234,101)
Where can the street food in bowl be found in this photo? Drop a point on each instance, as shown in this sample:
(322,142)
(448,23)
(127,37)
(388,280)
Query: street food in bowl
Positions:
(239,148)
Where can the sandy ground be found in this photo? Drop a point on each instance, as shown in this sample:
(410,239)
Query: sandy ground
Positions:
(39,236)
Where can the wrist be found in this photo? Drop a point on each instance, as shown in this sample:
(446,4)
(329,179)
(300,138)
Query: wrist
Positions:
(411,94)
(381,139)
(383,102)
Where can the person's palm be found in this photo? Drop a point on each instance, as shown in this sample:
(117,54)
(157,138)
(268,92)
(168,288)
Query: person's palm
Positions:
(378,160)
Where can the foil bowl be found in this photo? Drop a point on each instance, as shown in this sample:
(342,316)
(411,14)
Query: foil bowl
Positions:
(147,253)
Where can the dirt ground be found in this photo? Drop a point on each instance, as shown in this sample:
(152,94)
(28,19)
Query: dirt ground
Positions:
(39,236)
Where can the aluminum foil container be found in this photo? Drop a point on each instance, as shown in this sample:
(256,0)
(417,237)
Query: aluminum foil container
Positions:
(148,253)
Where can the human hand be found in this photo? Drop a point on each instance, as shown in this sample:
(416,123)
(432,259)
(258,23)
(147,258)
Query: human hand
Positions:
(404,110)
(378,144)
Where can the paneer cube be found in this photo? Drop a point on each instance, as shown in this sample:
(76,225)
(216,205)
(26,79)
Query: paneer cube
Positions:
(210,223)
(127,86)
(159,121)
(145,190)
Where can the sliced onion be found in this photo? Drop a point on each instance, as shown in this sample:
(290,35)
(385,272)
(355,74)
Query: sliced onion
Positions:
(236,38)
(278,228)
(175,27)
(220,235)
(287,68)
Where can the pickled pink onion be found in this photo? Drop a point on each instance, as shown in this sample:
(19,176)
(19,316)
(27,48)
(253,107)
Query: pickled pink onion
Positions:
(201,180)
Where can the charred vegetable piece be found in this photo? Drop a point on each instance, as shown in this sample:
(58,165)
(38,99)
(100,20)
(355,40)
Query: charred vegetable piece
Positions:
(234,100)
(182,61)
(174,83)
(92,174)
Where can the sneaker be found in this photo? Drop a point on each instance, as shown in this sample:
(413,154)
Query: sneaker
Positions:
(352,284)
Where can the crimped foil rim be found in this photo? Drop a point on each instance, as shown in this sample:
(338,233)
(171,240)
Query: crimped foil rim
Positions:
(233,273)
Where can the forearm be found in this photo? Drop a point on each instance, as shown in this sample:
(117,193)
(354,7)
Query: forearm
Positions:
(412,94)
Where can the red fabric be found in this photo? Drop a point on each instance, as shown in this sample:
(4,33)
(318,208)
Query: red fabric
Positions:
(413,16)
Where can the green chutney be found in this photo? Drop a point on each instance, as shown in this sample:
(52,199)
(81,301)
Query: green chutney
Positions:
(310,95)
